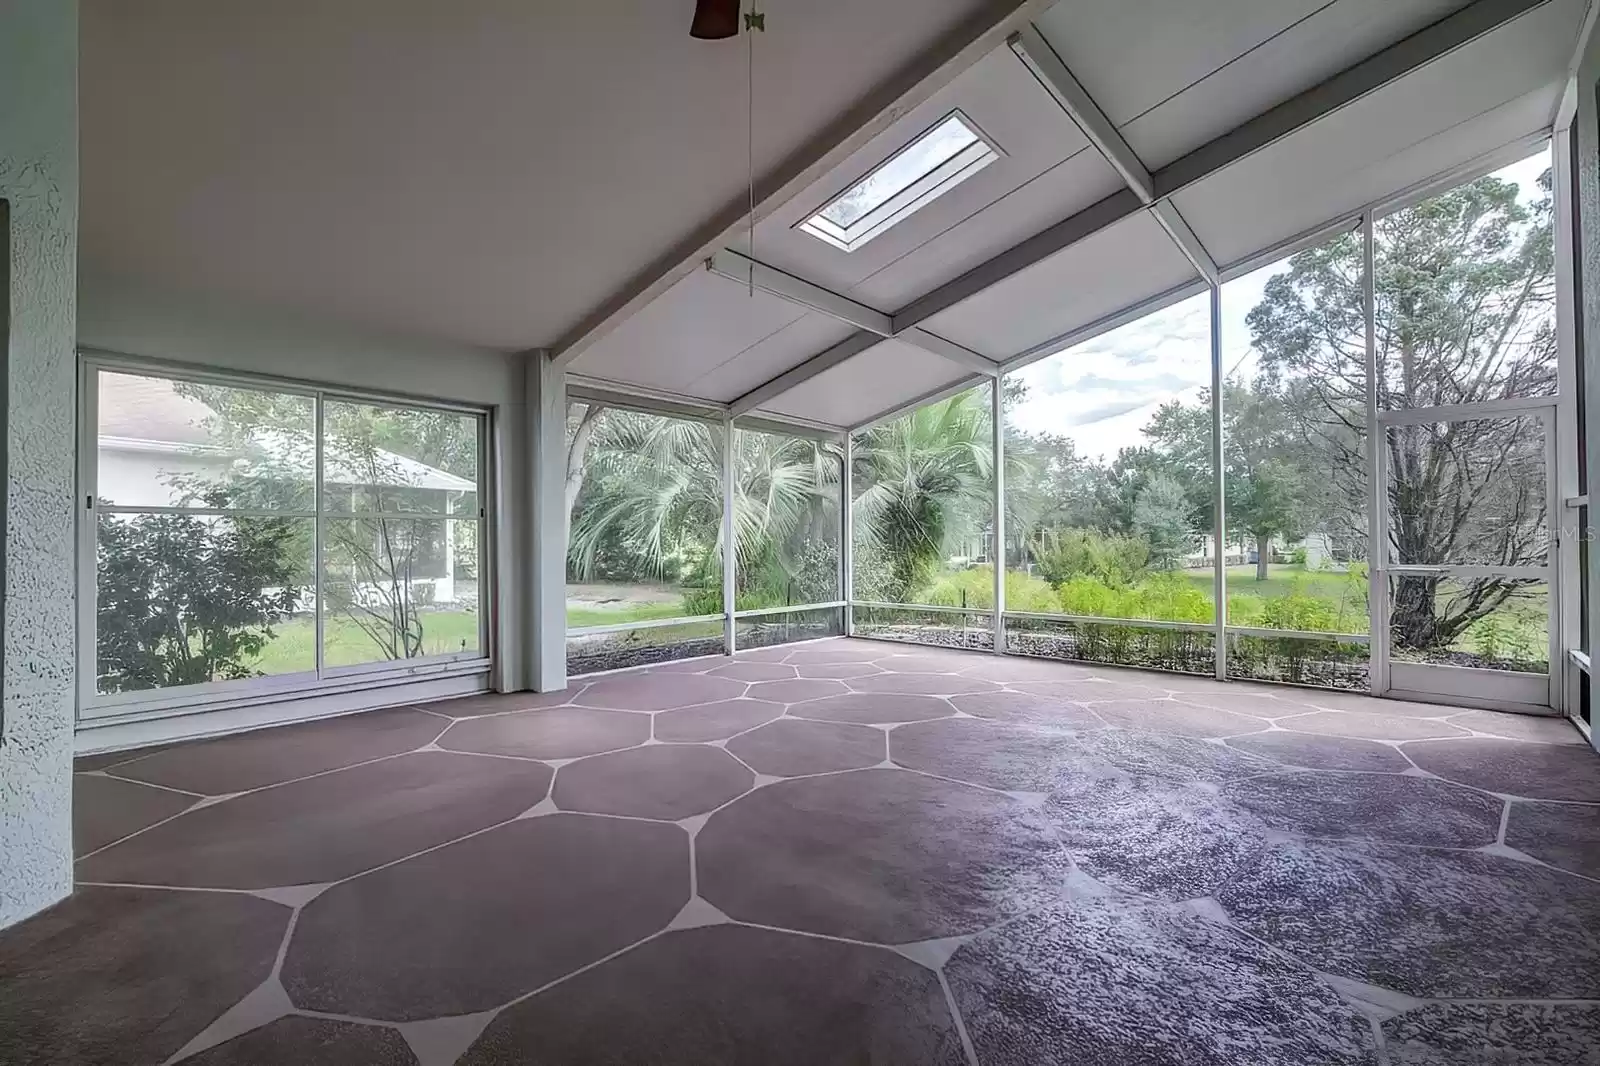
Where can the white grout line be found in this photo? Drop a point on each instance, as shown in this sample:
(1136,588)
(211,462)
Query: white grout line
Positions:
(955,1015)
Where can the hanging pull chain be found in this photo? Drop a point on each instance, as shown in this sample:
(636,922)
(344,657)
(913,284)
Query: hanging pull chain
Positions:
(754,22)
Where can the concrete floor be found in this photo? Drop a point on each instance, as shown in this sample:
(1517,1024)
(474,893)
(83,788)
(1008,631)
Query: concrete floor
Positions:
(837,852)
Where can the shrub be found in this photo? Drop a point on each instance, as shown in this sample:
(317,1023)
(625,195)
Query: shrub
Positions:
(975,588)
(1111,558)
(185,599)
(1167,597)
(1299,609)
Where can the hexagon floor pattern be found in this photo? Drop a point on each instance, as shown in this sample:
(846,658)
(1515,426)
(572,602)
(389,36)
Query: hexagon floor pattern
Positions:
(840,851)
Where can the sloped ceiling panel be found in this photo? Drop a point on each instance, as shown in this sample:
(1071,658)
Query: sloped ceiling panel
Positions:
(766,359)
(1134,54)
(874,381)
(1112,270)
(701,323)
(998,96)
(1064,190)
(1466,104)
(1334,38)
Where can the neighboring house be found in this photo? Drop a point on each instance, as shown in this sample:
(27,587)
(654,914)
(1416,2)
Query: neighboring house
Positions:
(153,441)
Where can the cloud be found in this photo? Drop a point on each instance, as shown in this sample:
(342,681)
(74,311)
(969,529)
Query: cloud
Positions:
(1107,410)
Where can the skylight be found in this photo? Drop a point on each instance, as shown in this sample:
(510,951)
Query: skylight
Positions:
(934,163)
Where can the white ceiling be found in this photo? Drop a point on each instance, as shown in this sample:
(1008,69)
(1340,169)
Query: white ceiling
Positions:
(485,171)
(494,171)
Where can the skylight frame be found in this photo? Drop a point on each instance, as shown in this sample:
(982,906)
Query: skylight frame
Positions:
(911,197)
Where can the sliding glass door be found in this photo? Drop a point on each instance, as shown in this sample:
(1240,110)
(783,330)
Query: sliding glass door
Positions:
(241,538)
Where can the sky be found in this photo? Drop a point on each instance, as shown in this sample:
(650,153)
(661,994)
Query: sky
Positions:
(1103,392)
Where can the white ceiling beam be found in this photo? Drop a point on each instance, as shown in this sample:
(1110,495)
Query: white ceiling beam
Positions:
(746,271)
(1057,79)
(954,53)
(1166,212)
(1030,46)
(823,361)
(1355,82)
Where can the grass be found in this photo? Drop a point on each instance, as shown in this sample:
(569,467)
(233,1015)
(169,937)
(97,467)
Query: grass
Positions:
(293,645)
(630,612)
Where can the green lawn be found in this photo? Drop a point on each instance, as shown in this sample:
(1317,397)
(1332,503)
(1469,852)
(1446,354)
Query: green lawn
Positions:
(293,646)
(1520,628)
(630,612)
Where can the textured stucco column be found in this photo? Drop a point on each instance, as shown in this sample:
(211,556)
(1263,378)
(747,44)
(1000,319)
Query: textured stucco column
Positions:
(39,180)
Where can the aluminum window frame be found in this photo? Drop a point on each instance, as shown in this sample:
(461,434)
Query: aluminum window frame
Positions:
(94,708)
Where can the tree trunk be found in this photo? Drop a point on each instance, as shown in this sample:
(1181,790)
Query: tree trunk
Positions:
(577,451)
(1263,550)
(1413,621)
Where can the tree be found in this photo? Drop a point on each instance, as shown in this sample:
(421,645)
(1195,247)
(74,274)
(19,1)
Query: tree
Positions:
(1161,517)
(926,480)
(373,458)
(650,505)
(1464,286)
(185,599)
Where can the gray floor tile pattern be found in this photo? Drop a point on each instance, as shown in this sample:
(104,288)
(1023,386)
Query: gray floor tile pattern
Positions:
(834,852)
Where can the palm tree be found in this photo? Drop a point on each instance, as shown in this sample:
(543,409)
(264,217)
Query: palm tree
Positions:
(654,484)
(925,479)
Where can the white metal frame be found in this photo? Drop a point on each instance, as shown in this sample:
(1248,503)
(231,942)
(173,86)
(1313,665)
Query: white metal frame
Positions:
(728,423)
(1152,191)
(1377,422)
(95,709)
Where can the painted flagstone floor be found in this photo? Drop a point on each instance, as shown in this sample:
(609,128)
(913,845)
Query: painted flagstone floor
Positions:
(835,852)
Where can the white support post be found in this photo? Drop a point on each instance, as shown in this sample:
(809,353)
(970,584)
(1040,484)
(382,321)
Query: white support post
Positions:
(1219,486)
(547,533)
(847,550)
(1377,491)
(730,553)
(1565,601)
(998,551)
(319,507)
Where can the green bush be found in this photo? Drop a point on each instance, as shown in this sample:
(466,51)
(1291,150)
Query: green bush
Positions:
(1299,609)
(975,588)
(1110,558)
(1168,597)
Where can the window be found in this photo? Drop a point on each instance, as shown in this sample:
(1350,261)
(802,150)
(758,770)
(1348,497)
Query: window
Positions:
(1295,457)
(1465,291)
(787,512)
(245,532)
(1108,474)
(929,166)
(924,502)
(644,543)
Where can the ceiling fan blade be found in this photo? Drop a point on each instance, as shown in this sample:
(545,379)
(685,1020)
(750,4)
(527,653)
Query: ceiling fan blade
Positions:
(715,20)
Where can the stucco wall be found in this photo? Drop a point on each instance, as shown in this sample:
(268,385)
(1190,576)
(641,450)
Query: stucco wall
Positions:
(39,176)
